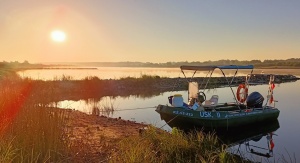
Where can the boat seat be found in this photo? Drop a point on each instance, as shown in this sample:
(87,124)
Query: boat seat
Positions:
(213,101)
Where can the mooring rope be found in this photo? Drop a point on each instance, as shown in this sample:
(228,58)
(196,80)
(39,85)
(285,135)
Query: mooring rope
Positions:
(129,109)
(169,121)
(136,108)
(68,106)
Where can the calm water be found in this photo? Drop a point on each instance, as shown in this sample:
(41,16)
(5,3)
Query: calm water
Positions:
(140,109)
(100,72)
(119,72)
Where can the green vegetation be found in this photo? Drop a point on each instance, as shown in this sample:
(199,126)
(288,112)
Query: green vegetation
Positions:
(34,135)
(28,132)
(154,145)
(142,77)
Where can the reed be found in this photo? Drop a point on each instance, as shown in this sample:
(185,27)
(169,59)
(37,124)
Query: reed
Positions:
(159,146)
(91,78)
(29,133)
(107,106)
(145,76)
(104,108)
(63,77)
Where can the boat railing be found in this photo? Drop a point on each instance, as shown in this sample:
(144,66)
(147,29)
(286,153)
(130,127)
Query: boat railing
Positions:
(270,97)
(229,83)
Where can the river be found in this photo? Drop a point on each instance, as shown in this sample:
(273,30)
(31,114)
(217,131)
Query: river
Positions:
(121,72)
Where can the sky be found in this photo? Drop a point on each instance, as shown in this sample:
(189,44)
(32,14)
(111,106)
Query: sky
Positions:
(149,30)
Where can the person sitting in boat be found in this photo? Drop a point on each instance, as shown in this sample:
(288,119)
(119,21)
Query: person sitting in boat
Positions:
(192,101)
(201,98)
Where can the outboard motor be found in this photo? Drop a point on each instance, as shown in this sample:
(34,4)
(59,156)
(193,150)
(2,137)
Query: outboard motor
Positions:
(255,100)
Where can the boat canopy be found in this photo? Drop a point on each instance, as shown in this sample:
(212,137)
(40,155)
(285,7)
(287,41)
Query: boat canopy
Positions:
(209,68)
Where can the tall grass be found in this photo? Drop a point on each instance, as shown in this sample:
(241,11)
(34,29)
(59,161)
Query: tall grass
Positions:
(63,77)
(159,146)
(29,133)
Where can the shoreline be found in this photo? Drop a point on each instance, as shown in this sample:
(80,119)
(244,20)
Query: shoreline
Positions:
(95,137)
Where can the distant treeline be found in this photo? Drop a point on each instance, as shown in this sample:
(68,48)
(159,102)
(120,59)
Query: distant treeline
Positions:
(288,63)
(16,64)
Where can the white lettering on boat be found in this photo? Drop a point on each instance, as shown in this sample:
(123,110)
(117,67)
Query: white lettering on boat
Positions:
(182,113)
(205,114)
(240,114)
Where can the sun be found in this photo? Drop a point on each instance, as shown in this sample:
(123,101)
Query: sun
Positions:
(58,36)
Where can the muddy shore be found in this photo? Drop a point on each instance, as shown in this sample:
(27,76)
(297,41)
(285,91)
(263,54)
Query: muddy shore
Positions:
(94,138)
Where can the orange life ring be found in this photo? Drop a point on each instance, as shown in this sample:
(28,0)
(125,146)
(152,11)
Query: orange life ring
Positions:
(245,93)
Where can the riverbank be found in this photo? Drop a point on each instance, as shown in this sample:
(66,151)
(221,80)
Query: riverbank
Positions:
(94,138)
(100,139)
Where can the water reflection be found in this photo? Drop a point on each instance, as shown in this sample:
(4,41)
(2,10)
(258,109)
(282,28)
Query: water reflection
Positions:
(120,72)
(105,106)
(239,135)
(256,142)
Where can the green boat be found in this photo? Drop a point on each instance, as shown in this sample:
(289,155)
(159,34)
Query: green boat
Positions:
(244,110)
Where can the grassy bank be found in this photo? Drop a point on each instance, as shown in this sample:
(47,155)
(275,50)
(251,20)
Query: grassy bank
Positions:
(159,146)
(29,133)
